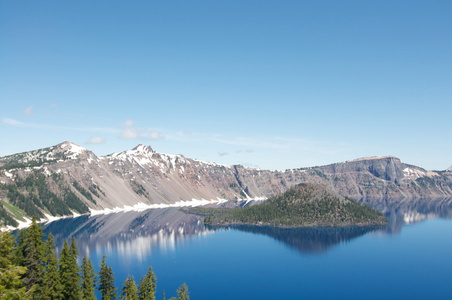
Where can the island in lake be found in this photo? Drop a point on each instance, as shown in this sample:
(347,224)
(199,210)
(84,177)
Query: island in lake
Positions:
(304,205)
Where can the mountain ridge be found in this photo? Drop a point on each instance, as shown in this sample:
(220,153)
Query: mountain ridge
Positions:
(78,181)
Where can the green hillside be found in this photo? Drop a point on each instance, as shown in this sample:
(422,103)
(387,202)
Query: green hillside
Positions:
(302,205)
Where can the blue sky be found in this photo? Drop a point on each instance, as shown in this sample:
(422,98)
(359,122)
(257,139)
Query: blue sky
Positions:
(265,84)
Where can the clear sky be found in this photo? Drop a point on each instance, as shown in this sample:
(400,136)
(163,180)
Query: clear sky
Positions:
(268,84)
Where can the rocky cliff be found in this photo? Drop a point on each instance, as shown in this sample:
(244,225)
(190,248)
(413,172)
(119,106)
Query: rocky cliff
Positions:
(66,179)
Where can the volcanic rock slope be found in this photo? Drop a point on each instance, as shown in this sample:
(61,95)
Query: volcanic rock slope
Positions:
(42,182)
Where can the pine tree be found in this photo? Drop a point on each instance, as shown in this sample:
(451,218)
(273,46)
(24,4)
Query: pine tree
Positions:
(75,271)
(33,260)
(52,287)
(106,281)
(182,292)
(88,279)
(6,249)
(11,286)
(147,286)
(70,279)
(64,269)
(19,252)
(129,291)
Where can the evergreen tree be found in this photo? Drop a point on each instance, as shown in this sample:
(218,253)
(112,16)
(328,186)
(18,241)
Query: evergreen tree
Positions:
(33,261)
(88,279)
(164,295)
(11,286)
(19,252)
(106,281)
(147,286)
(6,249)
(70,278)
(75,270)
(52,287)
(182,292)
(129,291)
(64,269)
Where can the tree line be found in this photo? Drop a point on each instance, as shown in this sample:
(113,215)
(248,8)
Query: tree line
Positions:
(33,195)
(31,269)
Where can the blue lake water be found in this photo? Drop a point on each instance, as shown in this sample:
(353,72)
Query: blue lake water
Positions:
(411,258)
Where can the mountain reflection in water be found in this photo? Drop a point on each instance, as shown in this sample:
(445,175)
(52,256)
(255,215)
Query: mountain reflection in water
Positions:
(139,234)
(410,211)
(130,234)
(311,239)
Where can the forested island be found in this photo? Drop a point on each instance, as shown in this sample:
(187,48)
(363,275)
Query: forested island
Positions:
(30,269)
(303,205)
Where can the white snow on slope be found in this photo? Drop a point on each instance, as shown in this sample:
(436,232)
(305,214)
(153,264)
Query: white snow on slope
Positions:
(413,173)
(74,149)
(142,206)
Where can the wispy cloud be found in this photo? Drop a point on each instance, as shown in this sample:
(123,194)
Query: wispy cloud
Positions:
(28,111)
(274,143)
(16,123)
(128,130)
(155,135)
(96,140)
(128,123)
(12,122)
(131,132)
(245,151)
(253,142)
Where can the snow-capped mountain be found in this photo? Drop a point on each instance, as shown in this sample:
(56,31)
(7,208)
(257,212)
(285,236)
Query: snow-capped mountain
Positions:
(66,179)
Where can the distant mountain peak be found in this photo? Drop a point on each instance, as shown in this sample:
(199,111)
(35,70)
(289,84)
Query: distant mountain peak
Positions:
(143,148)
(35,158)
(449,169)
(139,150)
(71,147)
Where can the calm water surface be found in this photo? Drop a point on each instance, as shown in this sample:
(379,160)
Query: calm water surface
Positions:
(410,258)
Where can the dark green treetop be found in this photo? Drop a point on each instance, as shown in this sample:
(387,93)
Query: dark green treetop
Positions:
(147,286)
(88,279)
(106,281)
(129,290)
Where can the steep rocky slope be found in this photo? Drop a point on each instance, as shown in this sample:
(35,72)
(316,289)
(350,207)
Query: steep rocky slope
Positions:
(67,178)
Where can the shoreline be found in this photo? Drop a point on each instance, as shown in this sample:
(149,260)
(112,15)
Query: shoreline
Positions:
(140,206)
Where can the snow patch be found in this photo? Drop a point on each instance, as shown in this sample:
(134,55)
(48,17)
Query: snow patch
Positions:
(413,173)
(142,206)
(249,199)
(49,218)
(74,149)
(22,224)
(47,172)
